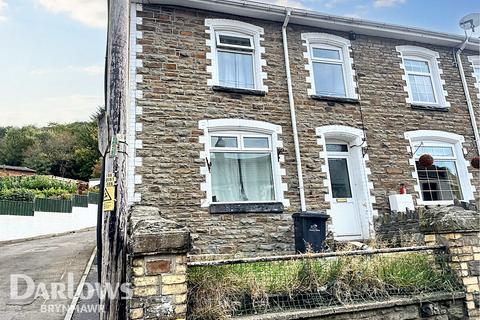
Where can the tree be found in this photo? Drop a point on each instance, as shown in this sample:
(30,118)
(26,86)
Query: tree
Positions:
(66,150)
(15,143)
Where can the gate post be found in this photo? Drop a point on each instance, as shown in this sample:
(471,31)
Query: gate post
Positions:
(157,260)
(458,229)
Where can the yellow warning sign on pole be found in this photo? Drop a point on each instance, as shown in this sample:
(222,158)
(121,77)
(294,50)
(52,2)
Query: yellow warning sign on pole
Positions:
(109,193)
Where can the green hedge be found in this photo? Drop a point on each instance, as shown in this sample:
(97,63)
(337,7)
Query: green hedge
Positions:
(17,208)
(17,194)
(37,183)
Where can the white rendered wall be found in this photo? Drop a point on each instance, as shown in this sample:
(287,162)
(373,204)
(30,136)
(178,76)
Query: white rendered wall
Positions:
(44,223)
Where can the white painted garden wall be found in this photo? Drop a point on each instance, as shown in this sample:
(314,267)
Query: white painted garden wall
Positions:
(44,223)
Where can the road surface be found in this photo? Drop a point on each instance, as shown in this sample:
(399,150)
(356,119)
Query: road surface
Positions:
(46,261)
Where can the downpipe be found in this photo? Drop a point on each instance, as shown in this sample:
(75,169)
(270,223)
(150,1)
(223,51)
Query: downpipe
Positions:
(467,95)
(291,101)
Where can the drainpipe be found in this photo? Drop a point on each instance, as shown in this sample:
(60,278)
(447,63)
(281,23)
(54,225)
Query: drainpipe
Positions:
(292,113)
(467,95)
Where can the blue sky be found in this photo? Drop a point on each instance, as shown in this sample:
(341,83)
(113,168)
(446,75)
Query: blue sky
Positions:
(53,50)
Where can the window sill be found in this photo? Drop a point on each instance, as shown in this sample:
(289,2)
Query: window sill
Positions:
(335,99)
(257,207)
(429,108)
(251,92)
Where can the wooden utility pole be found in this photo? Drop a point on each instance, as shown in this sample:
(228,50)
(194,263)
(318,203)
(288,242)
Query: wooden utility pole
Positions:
(113,261)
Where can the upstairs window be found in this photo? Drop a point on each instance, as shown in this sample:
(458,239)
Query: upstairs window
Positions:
(422,76)
(236,58)
(330,66)
(475,61)
(420,80)
(236,55)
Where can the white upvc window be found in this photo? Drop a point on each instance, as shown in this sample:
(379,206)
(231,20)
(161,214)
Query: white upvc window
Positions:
(241,167)
(447,179)
(242,162)
(235,54)
(422,75)
(419,78)
(475,61)
(328,71)
(439,182)
(330,66)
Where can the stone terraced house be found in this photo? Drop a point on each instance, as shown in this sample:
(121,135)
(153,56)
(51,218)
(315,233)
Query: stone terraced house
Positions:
(232,129)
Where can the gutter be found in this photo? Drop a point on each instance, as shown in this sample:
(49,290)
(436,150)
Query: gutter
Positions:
(467,95)
(292,113)
(266,11)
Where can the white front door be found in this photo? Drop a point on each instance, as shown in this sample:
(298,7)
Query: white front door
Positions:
(345,210)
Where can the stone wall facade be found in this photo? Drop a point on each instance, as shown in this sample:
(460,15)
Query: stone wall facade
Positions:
(172,77)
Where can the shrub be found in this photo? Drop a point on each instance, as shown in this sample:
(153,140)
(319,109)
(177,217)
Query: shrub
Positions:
(36,183)
(17,194)
(219,292)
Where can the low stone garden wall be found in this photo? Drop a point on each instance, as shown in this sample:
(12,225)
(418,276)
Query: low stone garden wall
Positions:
(157,270)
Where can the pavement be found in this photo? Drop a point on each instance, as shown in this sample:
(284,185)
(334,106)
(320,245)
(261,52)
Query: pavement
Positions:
(53,264)
(88,305)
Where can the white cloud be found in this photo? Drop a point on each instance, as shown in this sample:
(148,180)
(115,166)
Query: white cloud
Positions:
(94,70)
(42,111)
(3,6)
(287,3)
(387,3)
(334,3)
(92,13)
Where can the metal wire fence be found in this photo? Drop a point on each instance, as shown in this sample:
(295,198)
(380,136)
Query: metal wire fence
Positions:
(228,288)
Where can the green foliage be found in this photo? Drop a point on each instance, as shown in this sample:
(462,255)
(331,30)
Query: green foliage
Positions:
(17,194)
(65,150)
(36,183)
(27,188)
(218,292)
(14,143)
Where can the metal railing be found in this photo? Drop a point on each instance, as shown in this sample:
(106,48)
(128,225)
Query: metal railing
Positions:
(220,289)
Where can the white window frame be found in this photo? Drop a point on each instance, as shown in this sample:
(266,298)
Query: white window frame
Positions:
(217,27)
(329,41)
(441,138)
(429,56)
(475,61)
(454,158)
(243,128)
(425,74)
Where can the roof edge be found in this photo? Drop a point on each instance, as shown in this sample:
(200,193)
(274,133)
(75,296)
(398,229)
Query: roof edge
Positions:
(254,9)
